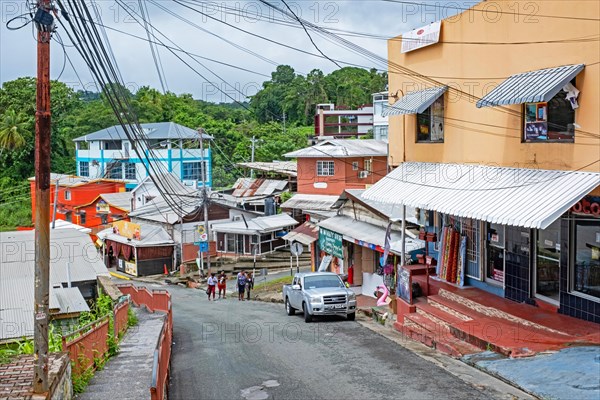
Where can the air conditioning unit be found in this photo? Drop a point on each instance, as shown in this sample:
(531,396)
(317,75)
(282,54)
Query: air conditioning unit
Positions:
(363,174)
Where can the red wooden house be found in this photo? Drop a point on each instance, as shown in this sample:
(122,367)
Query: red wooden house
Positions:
(73,193)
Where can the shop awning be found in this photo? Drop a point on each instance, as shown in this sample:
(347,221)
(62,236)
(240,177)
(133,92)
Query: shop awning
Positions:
(531,87)
(306,234)
(370,235)
(415,102)
(529,198)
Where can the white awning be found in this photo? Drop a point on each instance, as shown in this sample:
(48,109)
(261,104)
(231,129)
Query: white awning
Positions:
(529,198)
(531,87)
(415,102)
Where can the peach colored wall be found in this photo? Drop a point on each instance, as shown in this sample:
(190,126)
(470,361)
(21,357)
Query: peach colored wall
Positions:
(345,177)
(490,135)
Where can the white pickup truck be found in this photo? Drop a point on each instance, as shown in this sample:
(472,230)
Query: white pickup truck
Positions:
(319,293)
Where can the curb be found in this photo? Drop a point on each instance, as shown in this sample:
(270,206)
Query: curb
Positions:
(474,376)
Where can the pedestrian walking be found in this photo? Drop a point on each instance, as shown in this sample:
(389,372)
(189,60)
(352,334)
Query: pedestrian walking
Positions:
(241,283)
(212,285)
(249,284)
(222,284)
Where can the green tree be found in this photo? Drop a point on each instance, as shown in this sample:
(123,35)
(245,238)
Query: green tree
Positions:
(13,127)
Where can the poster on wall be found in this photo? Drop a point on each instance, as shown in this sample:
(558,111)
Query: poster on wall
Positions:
(404,287)
(102,207)
(536,121)
(127,229)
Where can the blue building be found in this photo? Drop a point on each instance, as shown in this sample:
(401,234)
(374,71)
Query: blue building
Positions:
(167,147)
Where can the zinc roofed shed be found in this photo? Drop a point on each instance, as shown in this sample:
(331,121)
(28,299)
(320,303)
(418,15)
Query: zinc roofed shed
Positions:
(147,252)
(73,258)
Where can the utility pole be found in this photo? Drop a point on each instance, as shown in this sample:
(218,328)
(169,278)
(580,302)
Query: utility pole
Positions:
(204,198)
(55,203)
(284,122)
(254,140)
(45,25)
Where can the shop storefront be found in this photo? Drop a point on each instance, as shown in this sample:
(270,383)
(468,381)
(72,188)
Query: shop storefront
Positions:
(137,250)
(493,235)
(362,246)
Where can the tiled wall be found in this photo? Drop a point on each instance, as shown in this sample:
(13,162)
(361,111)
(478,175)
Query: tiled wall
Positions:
(517,274)
(570,304)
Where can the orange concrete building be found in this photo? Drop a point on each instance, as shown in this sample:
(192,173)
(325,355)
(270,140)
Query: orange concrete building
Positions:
(73,192)
(494,131)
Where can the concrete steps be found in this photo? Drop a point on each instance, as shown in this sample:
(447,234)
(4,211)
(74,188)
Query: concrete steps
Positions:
(457,325)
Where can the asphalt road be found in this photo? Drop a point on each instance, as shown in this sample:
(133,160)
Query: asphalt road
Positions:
(251,350)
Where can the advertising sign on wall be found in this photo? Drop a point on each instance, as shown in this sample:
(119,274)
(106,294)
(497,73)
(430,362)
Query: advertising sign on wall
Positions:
(421,37)
(127,229)
(331,242)
(404,285)
(102,207)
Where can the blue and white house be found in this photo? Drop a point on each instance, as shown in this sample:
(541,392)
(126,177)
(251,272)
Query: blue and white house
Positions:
(167,147)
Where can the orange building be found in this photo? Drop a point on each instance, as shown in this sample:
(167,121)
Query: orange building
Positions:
(73,193)
(331,166)
(495,136)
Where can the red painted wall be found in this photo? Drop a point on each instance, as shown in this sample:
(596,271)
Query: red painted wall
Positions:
(80,195)
(345,177)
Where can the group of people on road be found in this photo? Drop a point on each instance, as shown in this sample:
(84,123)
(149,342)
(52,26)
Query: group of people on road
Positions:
(245,283)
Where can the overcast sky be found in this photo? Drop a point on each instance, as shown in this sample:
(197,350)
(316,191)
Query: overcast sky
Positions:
(134,58)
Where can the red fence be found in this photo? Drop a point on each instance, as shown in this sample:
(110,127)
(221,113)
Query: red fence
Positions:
(91,345)
(120,318)
(156,300)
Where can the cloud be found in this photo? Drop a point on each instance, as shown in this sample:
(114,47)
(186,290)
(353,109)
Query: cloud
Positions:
(134,58)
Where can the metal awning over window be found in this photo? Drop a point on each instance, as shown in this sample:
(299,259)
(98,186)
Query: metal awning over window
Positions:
(531,87)
(415,102)
(529,198)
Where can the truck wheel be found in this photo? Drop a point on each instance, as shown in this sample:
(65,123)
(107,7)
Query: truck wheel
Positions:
(352,317)
(288,308)
(307,316)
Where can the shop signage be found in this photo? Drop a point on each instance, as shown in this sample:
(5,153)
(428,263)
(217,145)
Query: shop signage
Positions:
(102,207)
(421,37)
(127,229)
(404,286)
(331,242)
(131,268)
(369,245)
(587,206)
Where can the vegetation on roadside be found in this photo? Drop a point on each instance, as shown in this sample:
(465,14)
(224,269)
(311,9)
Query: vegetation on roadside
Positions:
(276,285)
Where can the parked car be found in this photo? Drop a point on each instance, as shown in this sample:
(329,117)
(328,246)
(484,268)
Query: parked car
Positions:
(319,293)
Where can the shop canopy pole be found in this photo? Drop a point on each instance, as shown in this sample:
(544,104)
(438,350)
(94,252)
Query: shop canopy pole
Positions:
(403,253)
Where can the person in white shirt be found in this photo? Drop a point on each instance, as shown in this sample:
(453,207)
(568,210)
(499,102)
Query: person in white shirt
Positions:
(212,285)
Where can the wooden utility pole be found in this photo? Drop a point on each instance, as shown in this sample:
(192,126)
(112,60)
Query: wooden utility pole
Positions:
(205,200)
(42,200)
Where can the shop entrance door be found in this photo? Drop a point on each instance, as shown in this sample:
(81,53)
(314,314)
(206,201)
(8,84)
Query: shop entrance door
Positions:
(495,254)
(547,263)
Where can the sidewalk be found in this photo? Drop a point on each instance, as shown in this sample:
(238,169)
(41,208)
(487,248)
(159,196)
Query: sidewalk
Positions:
(130,371)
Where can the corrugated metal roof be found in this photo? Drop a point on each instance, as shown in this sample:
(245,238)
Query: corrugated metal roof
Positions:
(310,202)
(62,224)
(531,87)
(289,168)
(120,200)
(256,225)
(65,180)
(17,273)
(247,187)
(151,235)
(152,131)
(342,148)
(358,230)
(67,301)
(306,233)
(509,196)
(415,102)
